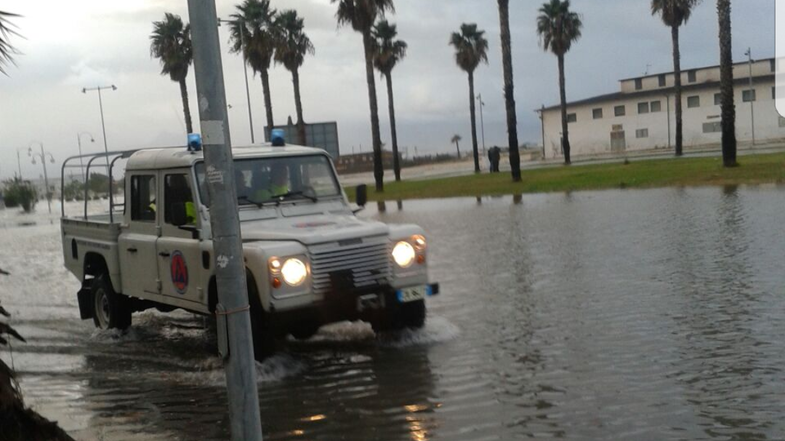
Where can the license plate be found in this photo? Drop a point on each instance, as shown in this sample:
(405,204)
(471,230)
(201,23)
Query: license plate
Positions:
(412,294)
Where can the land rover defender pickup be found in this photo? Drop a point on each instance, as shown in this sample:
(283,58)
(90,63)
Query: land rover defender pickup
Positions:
(309,259)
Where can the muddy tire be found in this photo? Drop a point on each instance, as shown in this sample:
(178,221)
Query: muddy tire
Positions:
(110,310)
(263,337)
(408,315)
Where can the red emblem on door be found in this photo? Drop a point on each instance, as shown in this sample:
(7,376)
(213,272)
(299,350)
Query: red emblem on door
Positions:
(179,272)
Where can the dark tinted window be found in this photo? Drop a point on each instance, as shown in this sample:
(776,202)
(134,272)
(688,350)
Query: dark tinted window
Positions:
(143,203)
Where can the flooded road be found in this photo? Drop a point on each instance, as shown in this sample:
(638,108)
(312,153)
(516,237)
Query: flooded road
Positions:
(614,315)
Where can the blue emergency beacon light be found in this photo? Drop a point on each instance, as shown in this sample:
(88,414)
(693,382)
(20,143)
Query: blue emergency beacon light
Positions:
(277,138)
(194,142)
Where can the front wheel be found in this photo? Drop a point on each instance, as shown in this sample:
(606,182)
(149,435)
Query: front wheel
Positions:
(110,310)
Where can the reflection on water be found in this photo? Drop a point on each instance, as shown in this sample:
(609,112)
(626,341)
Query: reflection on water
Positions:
(621,315)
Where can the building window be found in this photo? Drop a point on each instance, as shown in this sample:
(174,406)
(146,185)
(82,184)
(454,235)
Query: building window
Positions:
(656,106)
(748,95)
(693,101)
(619,111)
(661,79)
(642,133)
(691,77)
(773,64)
(717,99)
(712,127)
(643,108)
(596,113)
(638,83)
(572,117)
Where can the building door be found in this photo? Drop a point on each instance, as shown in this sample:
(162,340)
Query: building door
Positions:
(137,241)
(618,141)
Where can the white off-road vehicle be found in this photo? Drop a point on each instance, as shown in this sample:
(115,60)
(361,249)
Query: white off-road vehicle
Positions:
(309,260)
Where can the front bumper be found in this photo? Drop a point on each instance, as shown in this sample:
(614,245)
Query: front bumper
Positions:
(365,304)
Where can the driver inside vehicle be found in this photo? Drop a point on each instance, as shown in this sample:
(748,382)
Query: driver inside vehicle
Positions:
(278,185)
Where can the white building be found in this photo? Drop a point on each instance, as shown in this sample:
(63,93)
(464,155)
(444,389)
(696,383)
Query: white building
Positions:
(642,114)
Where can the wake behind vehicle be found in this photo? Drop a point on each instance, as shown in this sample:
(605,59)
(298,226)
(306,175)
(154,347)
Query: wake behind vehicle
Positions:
(309,259)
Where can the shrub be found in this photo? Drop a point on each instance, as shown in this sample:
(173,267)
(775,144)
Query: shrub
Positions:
(20,193)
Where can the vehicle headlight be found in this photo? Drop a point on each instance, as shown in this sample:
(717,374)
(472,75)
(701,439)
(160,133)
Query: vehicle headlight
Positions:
(403,254)
(294,272)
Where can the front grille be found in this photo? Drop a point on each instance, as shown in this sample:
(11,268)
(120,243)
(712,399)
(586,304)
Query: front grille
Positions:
(358,265)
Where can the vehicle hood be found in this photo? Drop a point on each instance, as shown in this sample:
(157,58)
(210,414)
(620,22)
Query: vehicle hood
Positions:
(312,229)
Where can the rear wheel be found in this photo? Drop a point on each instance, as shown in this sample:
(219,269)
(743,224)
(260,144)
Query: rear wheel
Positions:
(110,310)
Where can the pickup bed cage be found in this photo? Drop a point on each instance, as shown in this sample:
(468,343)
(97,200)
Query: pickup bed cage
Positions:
(114,156)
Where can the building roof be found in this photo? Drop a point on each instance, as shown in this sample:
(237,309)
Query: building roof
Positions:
(655,92)
(695,69)
(162,158)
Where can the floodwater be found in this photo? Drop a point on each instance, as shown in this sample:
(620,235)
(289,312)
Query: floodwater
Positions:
(615,315)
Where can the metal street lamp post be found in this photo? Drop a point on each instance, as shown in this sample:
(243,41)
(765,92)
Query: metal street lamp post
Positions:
(103,126)
(482,122)
(79,142)
(19,162)
(245,71)
(752,95)
(43,156)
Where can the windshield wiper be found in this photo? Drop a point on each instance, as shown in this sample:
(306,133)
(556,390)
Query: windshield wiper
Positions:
(280,197)
(249,200)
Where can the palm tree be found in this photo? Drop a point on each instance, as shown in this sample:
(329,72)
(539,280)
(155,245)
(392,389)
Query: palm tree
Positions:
(558,28)
(675,13)
(509,95)
(455,140)
(471,48)
(171,43)
(253,33)
(7,29)
(361,15)
(388,53)
(291,48)
(726,86)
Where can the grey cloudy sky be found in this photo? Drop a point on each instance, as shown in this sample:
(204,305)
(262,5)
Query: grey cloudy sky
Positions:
(84,43)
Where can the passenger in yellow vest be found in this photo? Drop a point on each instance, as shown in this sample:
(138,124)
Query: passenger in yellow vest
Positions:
(279,184)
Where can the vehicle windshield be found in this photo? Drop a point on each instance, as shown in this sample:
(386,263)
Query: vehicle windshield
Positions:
(265,180)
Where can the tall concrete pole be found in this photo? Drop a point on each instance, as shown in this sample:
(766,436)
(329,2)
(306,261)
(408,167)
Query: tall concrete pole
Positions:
(244,415)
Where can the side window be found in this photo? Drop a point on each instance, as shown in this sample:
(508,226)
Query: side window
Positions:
(143,203)
(177,192)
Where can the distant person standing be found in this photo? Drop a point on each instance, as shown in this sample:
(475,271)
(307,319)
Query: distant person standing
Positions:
(495,158)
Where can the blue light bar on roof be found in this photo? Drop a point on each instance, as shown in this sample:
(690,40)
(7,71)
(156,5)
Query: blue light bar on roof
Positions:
(194,142)
(277,137)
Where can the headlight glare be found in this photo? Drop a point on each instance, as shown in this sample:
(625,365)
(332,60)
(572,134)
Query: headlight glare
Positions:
(403,254)
(294,272)
(419,242)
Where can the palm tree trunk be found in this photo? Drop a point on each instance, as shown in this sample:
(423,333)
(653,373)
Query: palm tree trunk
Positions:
(268,104)
(458,149)
(378,166)
(393,131)
(473,111)
(509,96)
(677,88)
(726,85)
(564,125)
(298,105)
(186,108)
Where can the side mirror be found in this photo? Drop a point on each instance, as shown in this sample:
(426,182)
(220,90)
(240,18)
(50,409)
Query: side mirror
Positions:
(178,215)
(361,196)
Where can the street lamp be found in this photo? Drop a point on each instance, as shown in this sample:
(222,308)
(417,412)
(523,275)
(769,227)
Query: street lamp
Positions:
(101,106)
(482,122)
(19,162)
(752,95)
(79,142)
(245,70)
(42,156)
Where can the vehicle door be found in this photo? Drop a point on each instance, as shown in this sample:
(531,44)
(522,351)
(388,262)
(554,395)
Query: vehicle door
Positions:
(179,254)
(137,240)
